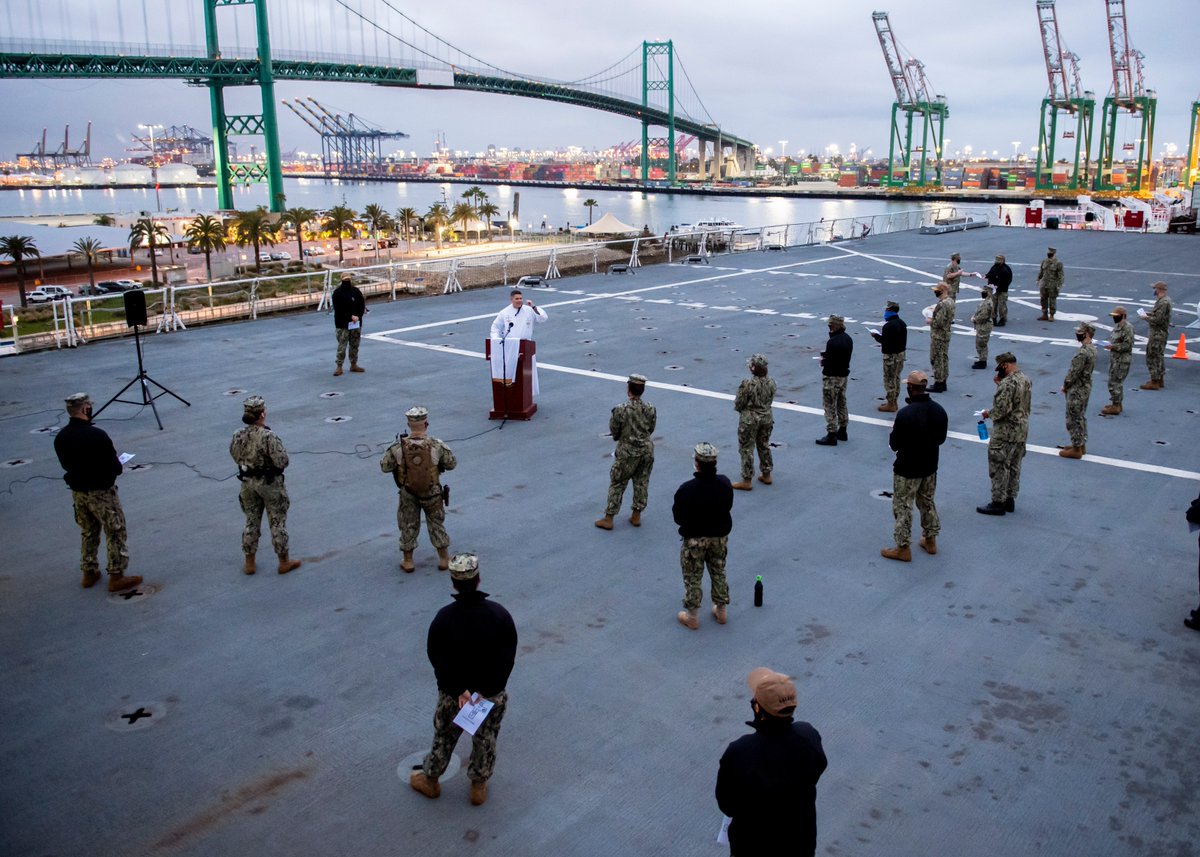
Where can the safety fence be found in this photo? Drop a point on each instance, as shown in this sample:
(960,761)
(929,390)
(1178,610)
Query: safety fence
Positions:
(74,321)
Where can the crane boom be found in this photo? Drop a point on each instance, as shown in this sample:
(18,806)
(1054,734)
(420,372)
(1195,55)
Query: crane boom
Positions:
(1118,45)
(1056,71)
(906,92)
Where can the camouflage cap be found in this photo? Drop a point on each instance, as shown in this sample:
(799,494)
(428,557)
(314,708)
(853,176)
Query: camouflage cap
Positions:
(1084,327)
(938,289)
(774,692)
(76,399)
(1117,311)
(758,361)
(836,321)
(987,291)
(1159,285)
(635,378)
(956,257)
(706,452)
(417,414)
(1006,357)
(893,306)
(999,257)
(252,406)
(464,566)
(1051,250)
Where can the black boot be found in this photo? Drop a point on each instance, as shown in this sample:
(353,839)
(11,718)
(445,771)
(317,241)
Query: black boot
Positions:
(938,387)
(979,364)
(1010,505)
(841,434)
(828,440)
(991,509)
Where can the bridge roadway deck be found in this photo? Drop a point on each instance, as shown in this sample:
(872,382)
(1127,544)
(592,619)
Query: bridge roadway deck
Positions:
(1029,690)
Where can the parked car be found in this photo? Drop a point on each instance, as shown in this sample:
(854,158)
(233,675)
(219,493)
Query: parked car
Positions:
(314,251)
(282,256)
(45,294)
(264,258)
(367,245)
(107,287)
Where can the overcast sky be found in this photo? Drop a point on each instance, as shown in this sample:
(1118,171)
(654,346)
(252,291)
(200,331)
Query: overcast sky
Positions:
(769,70)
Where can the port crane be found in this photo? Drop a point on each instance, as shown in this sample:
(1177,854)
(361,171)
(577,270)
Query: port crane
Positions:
(913,99)
(1066,96)
(348,145)
(1192,173)
(1129,96)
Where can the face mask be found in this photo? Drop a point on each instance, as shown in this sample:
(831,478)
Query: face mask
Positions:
(1001,372)
(1049,255)
(1079,337)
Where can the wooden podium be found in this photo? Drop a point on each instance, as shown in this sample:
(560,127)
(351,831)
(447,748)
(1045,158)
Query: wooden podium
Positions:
(514,400)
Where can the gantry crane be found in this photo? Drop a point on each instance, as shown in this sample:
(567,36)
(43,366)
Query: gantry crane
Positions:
(1066,96)
(1129,95)
(912,100)
(348,146)
(1192,173)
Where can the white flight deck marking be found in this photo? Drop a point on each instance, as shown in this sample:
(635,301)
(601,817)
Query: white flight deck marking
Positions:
(1034,264)
(800,409)
(597,296)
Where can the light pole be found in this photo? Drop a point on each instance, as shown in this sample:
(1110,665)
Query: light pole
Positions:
(154,165)
(783,149)
(1016,144)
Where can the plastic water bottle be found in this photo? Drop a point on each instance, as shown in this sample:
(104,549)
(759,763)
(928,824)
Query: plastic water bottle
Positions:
(758,590)
(981,427)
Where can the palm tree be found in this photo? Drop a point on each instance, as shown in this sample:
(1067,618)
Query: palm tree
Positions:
(89,249)
(474,195)
(298,217)
(207,234)
(19,248)
(377,219)
(463,214)
(105,220)
(339,219)
(486,212)
(590,204)
(146,231)
(257,228)
(437,217)
(407,218)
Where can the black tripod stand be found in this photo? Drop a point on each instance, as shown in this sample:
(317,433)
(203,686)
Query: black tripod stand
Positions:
(145,380)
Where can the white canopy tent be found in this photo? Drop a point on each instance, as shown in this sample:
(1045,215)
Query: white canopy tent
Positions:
(608,225)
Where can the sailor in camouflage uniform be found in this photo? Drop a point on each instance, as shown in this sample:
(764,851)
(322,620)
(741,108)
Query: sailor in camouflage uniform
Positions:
(1078,387)
(1120,346)
(755,422)
(472,646)
(982,319)
(632,426)
(261,460)
(90,460)
(417,461)
(1159,319)
(702,509)
(1050,282)
(952,276)
(1009,413)
(939,337)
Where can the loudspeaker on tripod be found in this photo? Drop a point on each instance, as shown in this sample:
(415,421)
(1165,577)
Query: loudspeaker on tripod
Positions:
(135,308)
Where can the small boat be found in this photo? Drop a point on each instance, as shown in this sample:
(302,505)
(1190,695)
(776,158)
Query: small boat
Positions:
(954,224)
(717,225)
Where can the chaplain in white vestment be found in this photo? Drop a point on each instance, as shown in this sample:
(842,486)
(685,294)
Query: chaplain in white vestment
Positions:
(512,324)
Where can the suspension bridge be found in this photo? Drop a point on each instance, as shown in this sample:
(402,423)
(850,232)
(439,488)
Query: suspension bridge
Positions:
(344,41)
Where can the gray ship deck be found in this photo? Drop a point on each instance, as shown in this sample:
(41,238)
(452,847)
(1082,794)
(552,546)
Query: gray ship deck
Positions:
(1029,690)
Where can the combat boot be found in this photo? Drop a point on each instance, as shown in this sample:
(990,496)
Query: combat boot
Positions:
(718,612)
(938,387)
(765,478)
(121,582)
(979,364)
(1043,316)
(443,559)
(1110,410)
(406,564)
(992,508)
(744,485)
(354,367)
(1151,385)
(1010,505)
(427,786)
(250,567)
(478,793)
(605,523)
(338,370)
(636,518)
(829,440)
(286,565)
(841,434)
(90,579)
(689,619)
(928,544)
(888,407)
(1071,452)
(902,553)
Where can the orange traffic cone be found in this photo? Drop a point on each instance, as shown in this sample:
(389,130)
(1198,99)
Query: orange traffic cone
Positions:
(1181,351)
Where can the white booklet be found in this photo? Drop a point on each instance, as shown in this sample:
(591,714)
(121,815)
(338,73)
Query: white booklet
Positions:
(354,325)
(124,457)
(470,717)
(723,833)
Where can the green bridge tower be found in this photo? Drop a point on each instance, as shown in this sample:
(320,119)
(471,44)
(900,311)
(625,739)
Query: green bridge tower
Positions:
(655,80)
(263,124)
